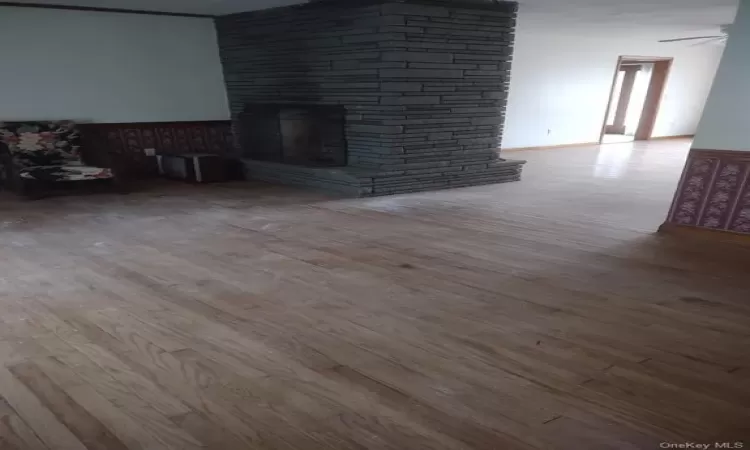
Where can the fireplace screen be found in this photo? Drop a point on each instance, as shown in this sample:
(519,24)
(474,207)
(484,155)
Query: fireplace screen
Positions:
(307,135)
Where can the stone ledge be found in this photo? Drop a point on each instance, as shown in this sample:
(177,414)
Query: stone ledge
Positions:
(357,182)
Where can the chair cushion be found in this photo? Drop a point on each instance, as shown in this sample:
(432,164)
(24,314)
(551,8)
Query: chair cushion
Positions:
(34,144)
(71,172)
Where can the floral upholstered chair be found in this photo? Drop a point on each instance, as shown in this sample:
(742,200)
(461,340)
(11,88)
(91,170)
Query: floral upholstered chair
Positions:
(36,154)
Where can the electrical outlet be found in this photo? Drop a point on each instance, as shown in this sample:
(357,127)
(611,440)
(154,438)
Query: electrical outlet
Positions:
(149,151)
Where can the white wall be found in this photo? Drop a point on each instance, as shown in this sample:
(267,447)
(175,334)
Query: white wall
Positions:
(107,67)
(562,77)
(725,124)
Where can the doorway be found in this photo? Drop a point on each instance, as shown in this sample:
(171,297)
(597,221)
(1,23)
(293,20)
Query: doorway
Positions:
(634,99)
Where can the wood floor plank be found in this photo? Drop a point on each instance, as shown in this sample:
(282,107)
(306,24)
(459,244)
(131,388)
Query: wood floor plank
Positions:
(82,423)
(213,436)
(156,430)
(544,314)
(14,432)
(9,440)
(41,420)
(187,383)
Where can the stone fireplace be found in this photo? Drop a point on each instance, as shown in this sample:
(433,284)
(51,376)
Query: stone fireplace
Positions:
(371,97)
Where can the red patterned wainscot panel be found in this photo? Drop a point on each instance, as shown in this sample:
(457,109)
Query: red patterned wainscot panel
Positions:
(740,218)
(127,141)
(714,191)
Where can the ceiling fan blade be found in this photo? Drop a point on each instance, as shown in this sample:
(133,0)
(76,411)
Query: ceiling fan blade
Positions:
(709,41)
(690,38)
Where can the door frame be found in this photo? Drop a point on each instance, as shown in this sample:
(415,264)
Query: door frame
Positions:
(654,94)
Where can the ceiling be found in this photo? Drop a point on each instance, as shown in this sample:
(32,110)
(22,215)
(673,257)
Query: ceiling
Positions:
(670,14)
(638,15)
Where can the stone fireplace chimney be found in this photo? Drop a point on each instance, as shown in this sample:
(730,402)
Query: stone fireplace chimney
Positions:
(423,86)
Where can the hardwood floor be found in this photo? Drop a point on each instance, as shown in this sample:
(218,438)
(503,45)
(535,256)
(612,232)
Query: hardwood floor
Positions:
(543,314)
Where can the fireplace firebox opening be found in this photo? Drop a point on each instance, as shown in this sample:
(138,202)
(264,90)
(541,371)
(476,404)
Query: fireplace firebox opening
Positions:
(303,135)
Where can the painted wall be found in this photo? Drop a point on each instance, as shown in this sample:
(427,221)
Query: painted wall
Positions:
(562,77)
(107,67)
(725,124)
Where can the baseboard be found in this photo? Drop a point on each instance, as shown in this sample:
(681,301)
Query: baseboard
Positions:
(547,147)
(666,138)
(587,144)
(705,234)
